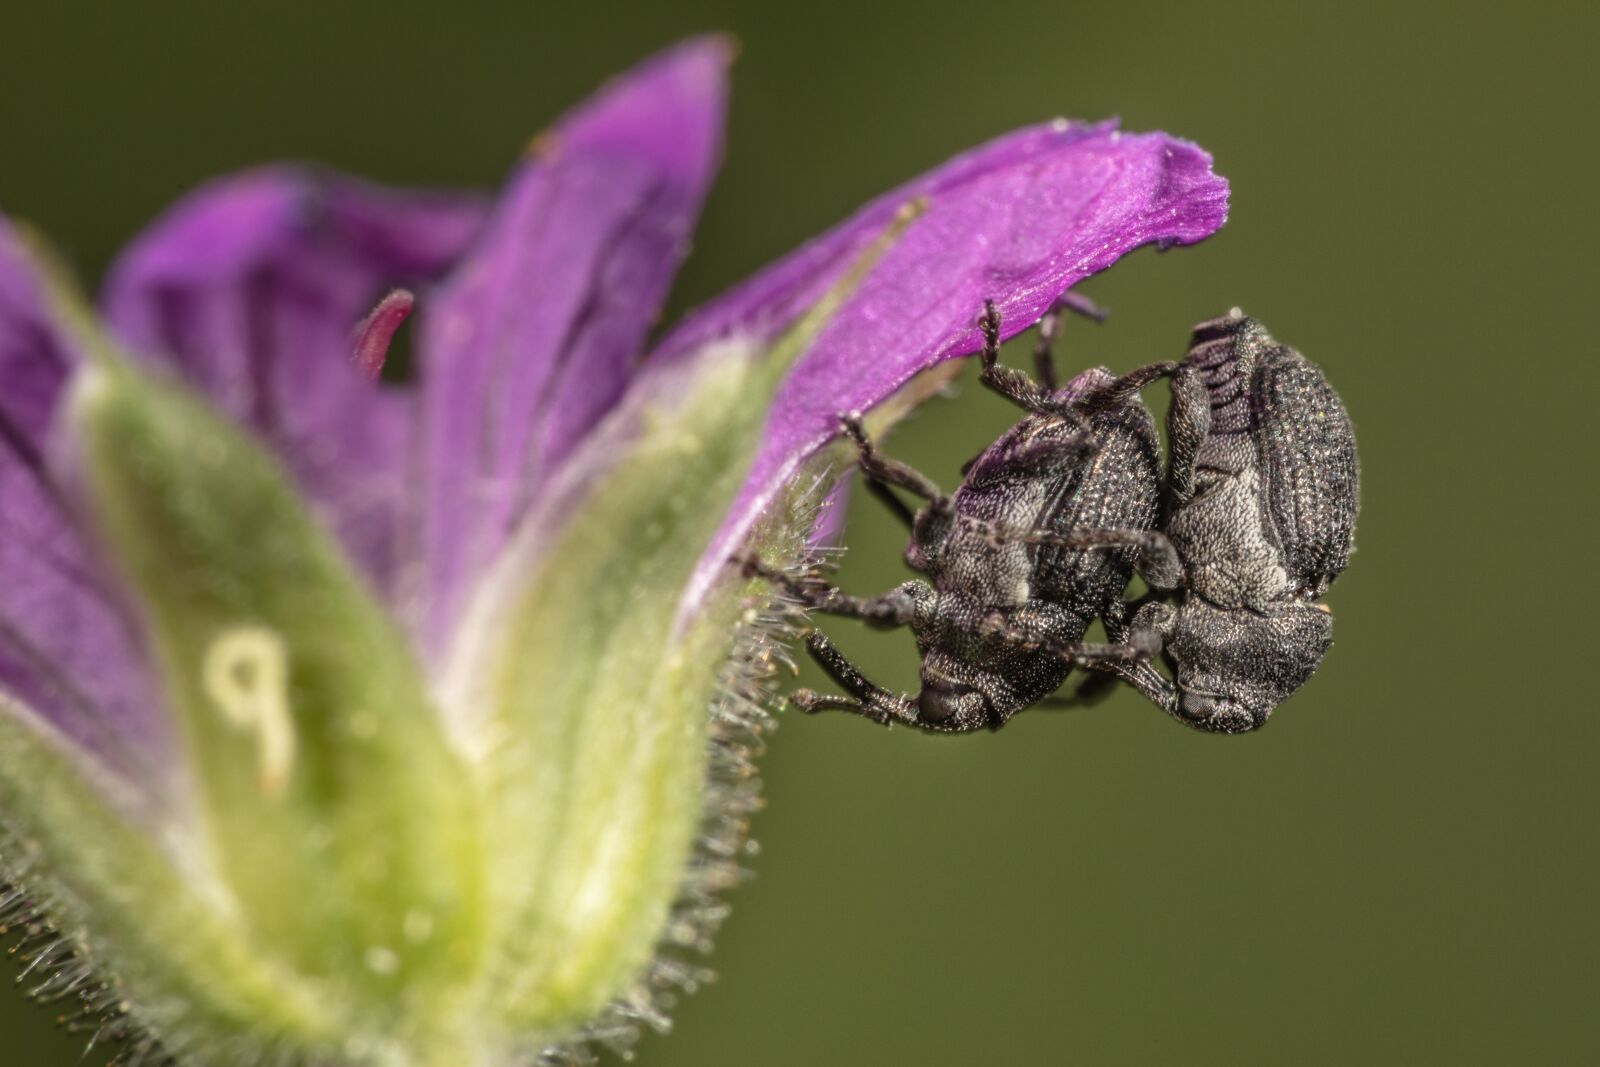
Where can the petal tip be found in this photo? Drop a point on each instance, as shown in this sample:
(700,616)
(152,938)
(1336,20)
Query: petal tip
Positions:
(632,110)
(669,108)
(727,45)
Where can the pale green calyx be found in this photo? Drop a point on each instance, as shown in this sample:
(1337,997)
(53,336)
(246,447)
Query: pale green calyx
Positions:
(363,864)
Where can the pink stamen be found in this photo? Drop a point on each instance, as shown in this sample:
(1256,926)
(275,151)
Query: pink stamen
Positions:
(371,339)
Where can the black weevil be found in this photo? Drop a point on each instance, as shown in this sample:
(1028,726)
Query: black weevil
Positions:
(1251,522)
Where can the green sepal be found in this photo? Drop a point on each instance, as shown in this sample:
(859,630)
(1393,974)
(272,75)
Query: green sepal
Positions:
(134,907)
(331,806)
(591,694)
(361,877)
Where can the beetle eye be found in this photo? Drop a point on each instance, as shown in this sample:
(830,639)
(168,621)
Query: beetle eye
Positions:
(937,705)
(944,703)
(1197,707)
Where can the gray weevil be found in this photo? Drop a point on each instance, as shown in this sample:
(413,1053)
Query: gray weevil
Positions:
(1014,559)
(1260,509)
(1251,522)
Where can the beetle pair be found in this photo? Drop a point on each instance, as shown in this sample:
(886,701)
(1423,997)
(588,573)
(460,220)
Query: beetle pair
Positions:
(1237,539)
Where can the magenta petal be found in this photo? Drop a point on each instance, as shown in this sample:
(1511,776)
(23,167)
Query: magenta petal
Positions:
(1018,221)
(249,289)
(69,651)
(536,334)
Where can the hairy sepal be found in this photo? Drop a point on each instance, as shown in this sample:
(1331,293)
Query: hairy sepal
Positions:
(358,879)
(331,816)
(150,947)
(584,682)
(590,705)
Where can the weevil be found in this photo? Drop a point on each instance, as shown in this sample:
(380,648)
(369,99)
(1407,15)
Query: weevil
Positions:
(1260,502)
(1038,541)
(1239,537)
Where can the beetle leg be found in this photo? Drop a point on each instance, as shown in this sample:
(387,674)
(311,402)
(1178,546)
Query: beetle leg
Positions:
(870,701)
(1136,648)
(891,609)
(1011,383)
(1104,674)
(1154,618)
(1188,423)
(1094,688)
(1158,563)
(1122,389)
(896,506)
(881,469)
(810,702)
(1044,363)
(1044,360)
(1150,683)
(1079,304)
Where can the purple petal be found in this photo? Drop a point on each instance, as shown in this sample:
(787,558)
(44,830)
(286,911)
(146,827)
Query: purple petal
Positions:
(69,651)
(1018,221)
(828,529)
(536,335)
(250,288)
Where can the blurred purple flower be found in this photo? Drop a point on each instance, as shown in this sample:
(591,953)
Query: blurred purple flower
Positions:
(533,316)
(249,290)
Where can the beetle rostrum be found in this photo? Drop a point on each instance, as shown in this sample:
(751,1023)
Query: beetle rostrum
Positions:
(1238,538)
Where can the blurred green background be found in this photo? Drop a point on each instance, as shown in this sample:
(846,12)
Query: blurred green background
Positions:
(1402,867)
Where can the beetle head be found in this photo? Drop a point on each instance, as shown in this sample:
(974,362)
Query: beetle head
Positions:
(975,670)
(1235,665)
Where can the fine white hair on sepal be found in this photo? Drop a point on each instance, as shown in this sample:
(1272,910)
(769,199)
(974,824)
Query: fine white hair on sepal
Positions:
(741,716)
(57,970)
(61,972)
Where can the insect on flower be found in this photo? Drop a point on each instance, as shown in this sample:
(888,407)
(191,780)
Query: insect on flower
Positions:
(1252,521)
(411,723)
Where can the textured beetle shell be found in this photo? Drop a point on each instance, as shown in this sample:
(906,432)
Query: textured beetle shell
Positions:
(1308,454)
(1270,524)
(1117,487)
(1025,481)
(1275,503)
